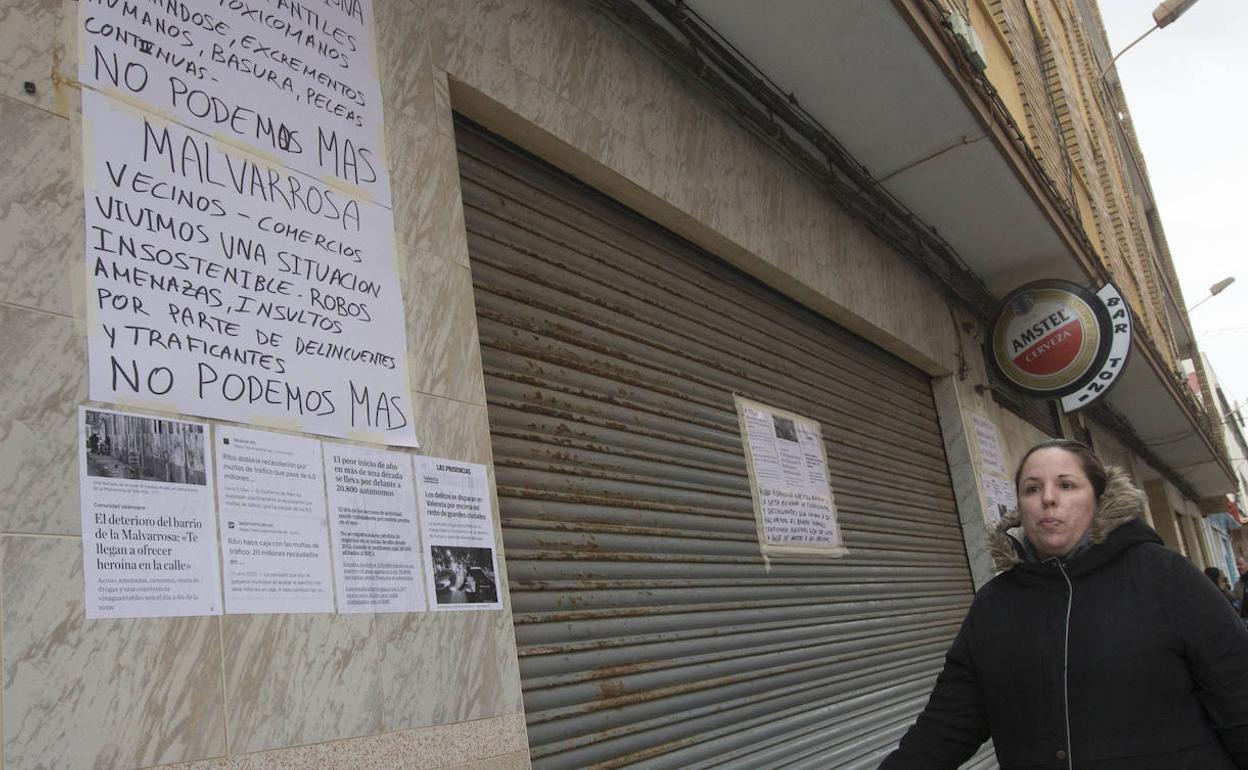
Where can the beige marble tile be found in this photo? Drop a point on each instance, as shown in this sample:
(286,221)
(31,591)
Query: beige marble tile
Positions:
(671,105)
(428,208)
(452,429)
(84,693)
(630,160)
(441,667)
(501,740)
(479,26)
(32,47)
(41,225)
(447,236)
(694,154)
(555,43)
(560,47)
(405,40)
(528,114)
(409,153)
(292,679)
(619,81)
(442,103)
(442,345)
(532,105)
(590,137)
(44,360)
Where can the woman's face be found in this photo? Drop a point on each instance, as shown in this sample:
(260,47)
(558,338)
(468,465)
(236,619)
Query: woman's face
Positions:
(1056,500)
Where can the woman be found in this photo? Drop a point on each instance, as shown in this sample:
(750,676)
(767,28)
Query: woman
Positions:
(1241,566)
(1096,647)
(1219,580)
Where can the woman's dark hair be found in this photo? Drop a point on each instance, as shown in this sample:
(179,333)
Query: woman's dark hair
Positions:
(1093,468)
(1214,574)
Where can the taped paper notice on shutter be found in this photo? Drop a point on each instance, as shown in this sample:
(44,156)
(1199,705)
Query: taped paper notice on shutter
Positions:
(788,468)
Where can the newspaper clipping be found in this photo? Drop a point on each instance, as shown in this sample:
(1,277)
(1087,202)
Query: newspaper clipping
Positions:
(1000,497)
(458,529)
(273,525)
(149,548)
(372,511)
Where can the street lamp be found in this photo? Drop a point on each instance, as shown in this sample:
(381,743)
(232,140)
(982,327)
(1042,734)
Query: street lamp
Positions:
(1214,291)
(1163,16)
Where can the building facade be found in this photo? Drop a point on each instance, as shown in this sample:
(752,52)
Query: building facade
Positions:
(613,218)
(1226,522)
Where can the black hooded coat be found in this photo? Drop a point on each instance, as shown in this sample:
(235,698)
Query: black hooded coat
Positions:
(1121,657)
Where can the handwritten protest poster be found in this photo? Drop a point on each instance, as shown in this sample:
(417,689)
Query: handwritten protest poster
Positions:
(458,530)
(372,514)
(274,534)
(149,548)
(293,81)
(788,471)
(222,286)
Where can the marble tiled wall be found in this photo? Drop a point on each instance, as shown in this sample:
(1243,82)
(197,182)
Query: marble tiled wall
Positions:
(301,691)
(360,691)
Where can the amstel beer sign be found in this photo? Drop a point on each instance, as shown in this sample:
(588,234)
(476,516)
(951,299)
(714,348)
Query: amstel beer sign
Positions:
(1056,339)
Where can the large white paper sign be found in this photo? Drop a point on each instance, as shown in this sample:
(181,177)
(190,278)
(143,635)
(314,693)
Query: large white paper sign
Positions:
(274,534)
(372,513)
(149,547)
(223,286)
(295,80)
(788,473)
(458,529)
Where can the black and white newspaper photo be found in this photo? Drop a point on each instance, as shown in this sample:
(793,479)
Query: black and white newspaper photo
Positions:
(149,547)
(458,529)
(274,532)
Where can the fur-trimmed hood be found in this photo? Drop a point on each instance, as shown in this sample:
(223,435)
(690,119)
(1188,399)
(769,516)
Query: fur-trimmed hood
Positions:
(1122,502)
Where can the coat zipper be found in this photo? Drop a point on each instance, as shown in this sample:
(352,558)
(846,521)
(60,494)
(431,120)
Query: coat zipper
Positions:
(1070,600)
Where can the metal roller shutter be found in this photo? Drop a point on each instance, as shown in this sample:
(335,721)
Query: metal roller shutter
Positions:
(650,632)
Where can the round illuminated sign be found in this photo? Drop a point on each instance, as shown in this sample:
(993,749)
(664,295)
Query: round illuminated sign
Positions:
(1050,337)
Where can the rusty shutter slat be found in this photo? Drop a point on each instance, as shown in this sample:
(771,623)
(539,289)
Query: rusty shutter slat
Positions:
(650,632)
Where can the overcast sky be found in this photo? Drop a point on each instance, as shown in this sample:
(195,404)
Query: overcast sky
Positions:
(1187,88)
